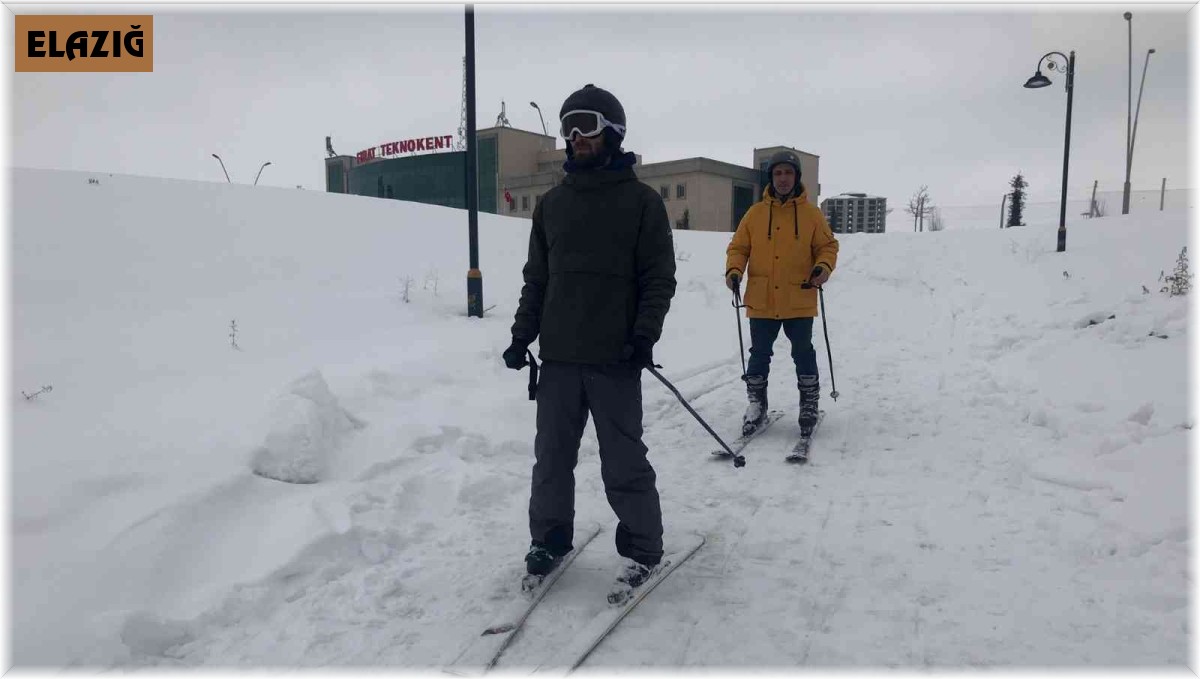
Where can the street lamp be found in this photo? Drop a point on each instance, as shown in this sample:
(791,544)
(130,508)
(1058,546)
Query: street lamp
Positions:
(540,117)
(260,172)
(1133,137)
(222,167)
(1130,137)
(1036,82)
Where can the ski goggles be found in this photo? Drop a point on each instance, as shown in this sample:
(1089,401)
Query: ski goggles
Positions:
(587,124)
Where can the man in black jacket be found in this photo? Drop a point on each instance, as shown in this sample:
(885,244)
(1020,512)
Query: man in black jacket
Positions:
(598,283)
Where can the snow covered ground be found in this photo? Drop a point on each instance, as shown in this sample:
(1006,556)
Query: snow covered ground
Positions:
(1003,481)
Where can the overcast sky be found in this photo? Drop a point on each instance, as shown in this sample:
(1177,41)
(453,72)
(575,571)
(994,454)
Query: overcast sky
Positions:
(889,97)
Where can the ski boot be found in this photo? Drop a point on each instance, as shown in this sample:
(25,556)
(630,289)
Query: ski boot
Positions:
(756,411)
(810,395)
(633,574)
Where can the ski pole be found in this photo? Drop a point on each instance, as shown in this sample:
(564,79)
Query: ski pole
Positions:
(829,350)
(737,304)
(738,460)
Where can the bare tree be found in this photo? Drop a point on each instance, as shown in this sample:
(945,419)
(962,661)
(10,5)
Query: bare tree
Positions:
(919,206)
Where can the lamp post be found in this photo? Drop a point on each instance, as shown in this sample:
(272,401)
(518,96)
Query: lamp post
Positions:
(260,172)
(1036,82)
(540,117)
(222,167)
(1133,138)
(1128,116)
(474,275)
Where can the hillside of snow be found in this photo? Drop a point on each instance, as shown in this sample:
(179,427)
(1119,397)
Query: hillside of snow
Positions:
(1003,481)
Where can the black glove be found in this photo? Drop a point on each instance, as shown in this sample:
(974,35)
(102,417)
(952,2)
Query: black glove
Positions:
(733,280)
(816,273)
(514,355)
(640,351)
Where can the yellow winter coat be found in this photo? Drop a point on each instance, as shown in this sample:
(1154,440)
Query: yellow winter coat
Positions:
(782,243)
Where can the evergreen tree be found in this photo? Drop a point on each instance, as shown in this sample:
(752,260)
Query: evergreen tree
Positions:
(1016,201)
(1180,281)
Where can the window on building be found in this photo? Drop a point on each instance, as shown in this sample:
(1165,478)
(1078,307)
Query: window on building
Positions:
(524,203)
(681,190)
(512,206)
(665,192)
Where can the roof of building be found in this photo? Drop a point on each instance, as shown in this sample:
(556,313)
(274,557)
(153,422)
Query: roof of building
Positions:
(699,164)
(788,148)
(855,196)
(515,129)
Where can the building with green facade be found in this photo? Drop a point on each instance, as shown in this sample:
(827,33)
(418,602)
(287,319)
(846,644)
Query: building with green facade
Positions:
(515,167)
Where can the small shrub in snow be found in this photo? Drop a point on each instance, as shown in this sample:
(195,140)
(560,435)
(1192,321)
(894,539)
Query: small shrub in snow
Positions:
(43,390)
(1180,281)
(684,223)
(233,335)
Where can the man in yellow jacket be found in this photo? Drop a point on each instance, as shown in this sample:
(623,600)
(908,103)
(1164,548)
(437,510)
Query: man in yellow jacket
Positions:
(782,243)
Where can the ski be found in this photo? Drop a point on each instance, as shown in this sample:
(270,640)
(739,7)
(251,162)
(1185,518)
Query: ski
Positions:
(799,454)
(487,648)
(739,444)
(573,654)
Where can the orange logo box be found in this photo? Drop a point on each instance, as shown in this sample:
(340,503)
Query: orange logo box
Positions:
(85,43)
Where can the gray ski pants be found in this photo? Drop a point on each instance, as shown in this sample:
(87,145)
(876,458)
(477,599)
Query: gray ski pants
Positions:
(566,393)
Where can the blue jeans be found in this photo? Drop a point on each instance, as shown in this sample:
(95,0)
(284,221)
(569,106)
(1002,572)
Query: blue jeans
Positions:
(763,332)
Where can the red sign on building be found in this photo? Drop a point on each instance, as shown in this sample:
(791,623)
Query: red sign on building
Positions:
(396,148)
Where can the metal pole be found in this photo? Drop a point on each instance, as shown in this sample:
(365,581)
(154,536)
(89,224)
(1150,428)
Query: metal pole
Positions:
(227,179)
(1136,114)
(1162,197)
(1002,204)
(828,349)
(1092,205)
(540,117)
(260,172)
(737,304)
(738,460)
(1128,118)
(474,275)
(1062,210)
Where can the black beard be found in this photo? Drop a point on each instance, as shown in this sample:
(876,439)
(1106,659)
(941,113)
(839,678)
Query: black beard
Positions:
(598,159)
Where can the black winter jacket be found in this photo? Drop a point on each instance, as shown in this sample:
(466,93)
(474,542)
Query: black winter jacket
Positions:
(601,268)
